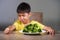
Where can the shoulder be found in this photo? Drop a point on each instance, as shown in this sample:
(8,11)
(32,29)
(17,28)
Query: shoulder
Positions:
(33,21)
(38,23)
(16,22)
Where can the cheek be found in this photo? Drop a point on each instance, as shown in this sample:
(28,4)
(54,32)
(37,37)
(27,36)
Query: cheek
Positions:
(26,17)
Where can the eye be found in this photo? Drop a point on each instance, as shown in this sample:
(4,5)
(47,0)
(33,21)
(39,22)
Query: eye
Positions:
(19,15)
(23,15)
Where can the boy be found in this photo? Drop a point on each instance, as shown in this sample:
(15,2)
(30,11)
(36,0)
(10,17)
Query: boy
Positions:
(23,12)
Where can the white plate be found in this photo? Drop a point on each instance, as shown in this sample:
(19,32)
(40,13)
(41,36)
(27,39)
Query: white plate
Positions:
(43,32)
(31,33)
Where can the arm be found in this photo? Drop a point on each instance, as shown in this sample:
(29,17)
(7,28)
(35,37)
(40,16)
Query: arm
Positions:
(9,29)
(49,30)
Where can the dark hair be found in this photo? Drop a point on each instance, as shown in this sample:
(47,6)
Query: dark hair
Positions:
(23,7)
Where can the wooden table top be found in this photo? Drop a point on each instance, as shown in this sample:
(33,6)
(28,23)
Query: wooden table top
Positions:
(19,36)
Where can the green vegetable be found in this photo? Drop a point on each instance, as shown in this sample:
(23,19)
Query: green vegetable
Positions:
(32,28)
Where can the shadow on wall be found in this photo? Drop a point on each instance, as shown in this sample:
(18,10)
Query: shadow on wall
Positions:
(4,25)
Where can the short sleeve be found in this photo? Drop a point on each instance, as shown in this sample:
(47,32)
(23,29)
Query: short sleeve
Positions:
(19,25)
(16,25)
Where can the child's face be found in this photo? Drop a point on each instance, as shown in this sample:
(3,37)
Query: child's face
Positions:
(23,17)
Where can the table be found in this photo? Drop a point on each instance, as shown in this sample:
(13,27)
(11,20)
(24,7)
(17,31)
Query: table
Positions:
(19,36)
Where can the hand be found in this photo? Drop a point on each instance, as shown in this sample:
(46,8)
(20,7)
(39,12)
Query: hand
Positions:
(9,29)
(6,31)
(49,30)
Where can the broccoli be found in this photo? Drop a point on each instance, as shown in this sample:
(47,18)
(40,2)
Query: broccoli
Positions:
(32,28)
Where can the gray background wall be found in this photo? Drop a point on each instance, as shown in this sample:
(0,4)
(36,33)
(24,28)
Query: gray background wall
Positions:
(50,9)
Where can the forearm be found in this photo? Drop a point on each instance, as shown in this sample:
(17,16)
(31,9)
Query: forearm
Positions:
(9,29)
(47,28)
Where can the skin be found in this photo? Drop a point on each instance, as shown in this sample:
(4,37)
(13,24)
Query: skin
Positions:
(24,17)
